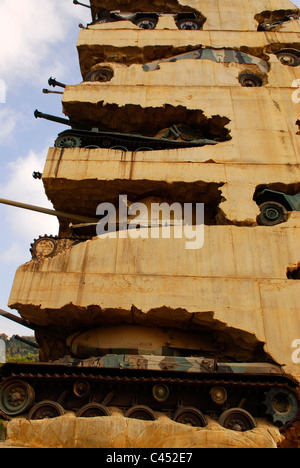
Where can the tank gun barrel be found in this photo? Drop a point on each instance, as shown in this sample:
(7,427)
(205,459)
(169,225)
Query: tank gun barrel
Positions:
(54,118)
(53,82)
(59,214)
(82,4)
(47,91)
(25,323)
(28,342)
(16,319)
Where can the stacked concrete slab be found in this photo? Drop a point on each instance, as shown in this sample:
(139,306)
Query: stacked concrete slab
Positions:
(237,290)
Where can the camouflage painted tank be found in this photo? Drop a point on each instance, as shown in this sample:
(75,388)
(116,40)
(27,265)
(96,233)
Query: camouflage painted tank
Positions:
(185,388)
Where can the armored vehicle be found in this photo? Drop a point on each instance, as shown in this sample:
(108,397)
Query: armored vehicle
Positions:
(269,25)
(104,73)
(186,388)
(176,136)
(148,20)
(156,377)
(274,206)
(215,55)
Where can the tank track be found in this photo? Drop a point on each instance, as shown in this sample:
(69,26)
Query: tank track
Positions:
(128,390)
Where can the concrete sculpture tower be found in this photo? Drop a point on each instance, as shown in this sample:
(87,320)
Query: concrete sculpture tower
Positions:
(190,103)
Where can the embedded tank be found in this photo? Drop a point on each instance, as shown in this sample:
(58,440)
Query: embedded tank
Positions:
(143,372)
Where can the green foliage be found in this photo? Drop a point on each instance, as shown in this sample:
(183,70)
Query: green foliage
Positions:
(17,351)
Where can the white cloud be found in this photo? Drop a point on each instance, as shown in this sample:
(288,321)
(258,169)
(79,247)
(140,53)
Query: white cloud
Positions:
(23,188)
(8,122)
(12,255)
(30,31)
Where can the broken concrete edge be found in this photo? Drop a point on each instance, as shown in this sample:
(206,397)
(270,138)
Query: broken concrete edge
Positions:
(116,431)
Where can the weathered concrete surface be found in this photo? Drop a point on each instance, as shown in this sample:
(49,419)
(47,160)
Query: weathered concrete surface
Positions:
(77,180)
(119,432)
(236,285)
(145,280)
(259,114)
(221,15)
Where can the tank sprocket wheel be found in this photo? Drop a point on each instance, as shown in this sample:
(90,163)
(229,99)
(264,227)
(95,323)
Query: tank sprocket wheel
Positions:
(68,141)
(46,409)
(16,397)
(93,410)
(190,416)
(45,246)
(282,405)
(140,412)
(237,419)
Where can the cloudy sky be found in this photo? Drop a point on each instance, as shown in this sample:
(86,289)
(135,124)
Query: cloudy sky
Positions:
(38,40)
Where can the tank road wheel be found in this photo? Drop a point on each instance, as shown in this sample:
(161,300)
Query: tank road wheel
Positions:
(218,395)
(282,405)
(46,410)
(237,419)
(190,416)
(119,148)
(68,141)
(81,388)
(93,410)
(272,213)
(288,58)
(160,392)
(146,23)
(188,24)
(103,75)
(140,412)
(16,397)
(145,148)
(249,80)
